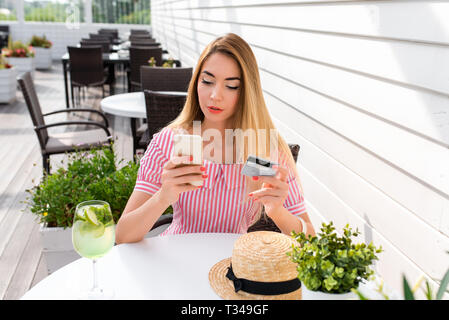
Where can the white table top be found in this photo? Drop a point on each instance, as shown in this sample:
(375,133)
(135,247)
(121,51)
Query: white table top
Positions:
(169,267)
(130,104)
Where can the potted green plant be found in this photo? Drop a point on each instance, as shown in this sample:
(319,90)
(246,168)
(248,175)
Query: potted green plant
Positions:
(43,51)
(88,175)
(7,81)
(329,266)
(410,292)
(20,55)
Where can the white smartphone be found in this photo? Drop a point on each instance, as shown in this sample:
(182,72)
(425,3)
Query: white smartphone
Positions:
(189,145)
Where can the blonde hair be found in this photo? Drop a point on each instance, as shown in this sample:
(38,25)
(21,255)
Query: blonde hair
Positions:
(251,112)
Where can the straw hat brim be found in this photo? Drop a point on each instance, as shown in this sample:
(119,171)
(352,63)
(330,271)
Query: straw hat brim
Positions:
(225,287)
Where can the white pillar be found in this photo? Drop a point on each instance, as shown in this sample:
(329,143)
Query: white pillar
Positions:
(20,11)
(88,11)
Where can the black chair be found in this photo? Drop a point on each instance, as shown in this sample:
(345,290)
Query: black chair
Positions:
(4,36)
(61,142)
(140,31)
(87,69)
(102,36)
(113,32)
(139,56)
(144,43)
(265,223)
(105,44)
(162,108)
(165,79)
(161,79)
(139,37)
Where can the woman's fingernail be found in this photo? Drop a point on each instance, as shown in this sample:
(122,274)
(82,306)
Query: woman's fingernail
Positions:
(191,158)
(205,176)
(203,168)
(250,195)
(255,178)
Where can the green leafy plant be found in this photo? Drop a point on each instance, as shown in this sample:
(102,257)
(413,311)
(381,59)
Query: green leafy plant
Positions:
(330,263)
(152,62)
(168,63)
(40,42)
(89,175)
(409,292)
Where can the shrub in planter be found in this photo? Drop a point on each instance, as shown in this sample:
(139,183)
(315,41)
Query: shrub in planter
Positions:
(17,49)
(40,42)
(43,55)
(89,175)
(332,264)
(20,56)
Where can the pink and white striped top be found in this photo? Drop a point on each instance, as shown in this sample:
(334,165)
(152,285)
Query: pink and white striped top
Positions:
(220,205)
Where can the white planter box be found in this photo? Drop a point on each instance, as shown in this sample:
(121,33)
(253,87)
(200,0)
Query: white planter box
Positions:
(22,65)
(42,58)
(8,85)
(57,247)
(318,295)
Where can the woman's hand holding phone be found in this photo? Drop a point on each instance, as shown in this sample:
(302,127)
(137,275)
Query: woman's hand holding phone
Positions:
(177,175)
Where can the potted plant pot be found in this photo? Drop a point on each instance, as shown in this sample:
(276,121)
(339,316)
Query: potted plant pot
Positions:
(319,295)
(330,266)
(23,64)
(43,58)
(8,85)
(57,247)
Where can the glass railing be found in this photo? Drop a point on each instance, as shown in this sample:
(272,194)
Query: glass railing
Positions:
(101,11)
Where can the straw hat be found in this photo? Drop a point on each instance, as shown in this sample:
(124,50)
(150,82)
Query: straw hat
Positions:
(259,265)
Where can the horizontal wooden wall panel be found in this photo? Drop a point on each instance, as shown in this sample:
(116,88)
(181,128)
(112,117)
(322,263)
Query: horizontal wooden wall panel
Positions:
(388,60)
(381,19)
(411,153)
(363,87)
(426,204)
(370,204)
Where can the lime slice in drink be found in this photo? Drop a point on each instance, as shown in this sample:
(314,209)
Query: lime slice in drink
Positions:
(91,216)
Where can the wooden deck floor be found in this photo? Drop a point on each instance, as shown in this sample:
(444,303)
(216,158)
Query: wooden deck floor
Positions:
(21,262)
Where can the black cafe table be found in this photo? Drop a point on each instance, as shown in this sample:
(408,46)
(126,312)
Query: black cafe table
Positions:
(108,59)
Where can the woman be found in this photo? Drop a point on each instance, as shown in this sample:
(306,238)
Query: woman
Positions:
(224,96)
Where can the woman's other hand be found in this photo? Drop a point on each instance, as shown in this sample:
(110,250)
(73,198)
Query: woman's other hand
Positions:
(274,189)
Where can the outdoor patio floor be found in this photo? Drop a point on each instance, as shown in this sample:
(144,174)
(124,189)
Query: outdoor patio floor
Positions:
(21,261)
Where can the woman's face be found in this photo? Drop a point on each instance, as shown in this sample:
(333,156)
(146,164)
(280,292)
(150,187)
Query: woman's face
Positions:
(218,89)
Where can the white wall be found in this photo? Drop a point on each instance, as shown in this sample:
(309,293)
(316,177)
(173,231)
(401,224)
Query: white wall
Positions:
(363,87)
(61,35)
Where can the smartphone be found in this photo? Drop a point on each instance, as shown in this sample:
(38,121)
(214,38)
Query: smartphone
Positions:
(256,166)
(189,145)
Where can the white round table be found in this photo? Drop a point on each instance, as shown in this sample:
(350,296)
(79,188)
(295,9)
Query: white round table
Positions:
(131,105)
(169,267)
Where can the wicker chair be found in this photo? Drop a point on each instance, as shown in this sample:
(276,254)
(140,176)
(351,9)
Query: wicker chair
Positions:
(140,31)
(103,36)
(113,32)
(162,108)
(144,43)
(139,56)
(137,37)
(105,45)
(61,142)
(87,69)
(265,223)
(162,79)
